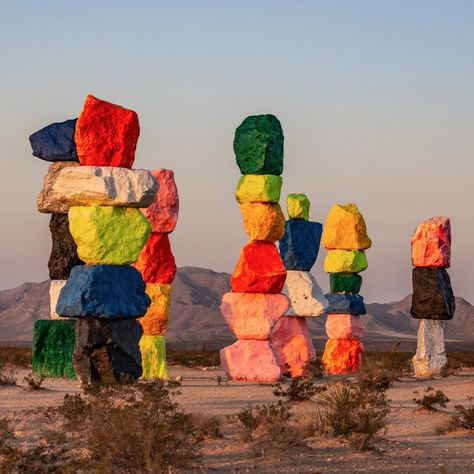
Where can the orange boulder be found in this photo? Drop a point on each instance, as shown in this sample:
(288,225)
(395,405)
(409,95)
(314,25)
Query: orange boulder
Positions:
(342,356)
(155,321)
(263,221)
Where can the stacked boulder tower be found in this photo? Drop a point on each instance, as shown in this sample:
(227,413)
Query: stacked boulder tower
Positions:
(299,249)
(255,303)
(345,237)
(433,300)
(157,265)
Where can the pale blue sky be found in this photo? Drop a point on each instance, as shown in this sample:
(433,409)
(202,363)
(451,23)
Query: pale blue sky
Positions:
(376,99)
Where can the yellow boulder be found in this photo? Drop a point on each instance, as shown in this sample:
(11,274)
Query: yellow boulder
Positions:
(258,188)
(155,321)
(345,229)
(263,221)
(297,206)
(153,350)
(345,261)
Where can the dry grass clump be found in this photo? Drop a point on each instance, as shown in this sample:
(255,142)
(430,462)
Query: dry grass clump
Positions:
(15,356)
(193,358)
(298,390)
(431,399)
(387,366)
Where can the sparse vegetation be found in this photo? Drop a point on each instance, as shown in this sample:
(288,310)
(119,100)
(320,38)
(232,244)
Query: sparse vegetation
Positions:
(431,399)
(386,365)
(314,369)
(193,358)
(298,390)
(15,356)
(463,418)
(34,382)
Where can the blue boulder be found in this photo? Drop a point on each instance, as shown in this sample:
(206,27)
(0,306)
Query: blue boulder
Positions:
(55,142)
(345,303)
(299,246)
(103,292)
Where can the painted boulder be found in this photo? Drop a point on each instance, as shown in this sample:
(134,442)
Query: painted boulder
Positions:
(345,261)
(258,188)
(345,282)
(263,221)
(430,358)
(297,206)
(344,326)
(350,303)
(55,288)
(155,321)
(342,356)
(153,350)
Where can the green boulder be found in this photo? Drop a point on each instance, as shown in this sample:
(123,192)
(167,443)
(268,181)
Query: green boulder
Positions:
(53,345)
(345,282)
(258,188)
(258,145)
(297,206)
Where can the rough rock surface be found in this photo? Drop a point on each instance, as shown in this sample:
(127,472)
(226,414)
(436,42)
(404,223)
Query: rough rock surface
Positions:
(53,343)
(345,282)
(252,315)
(106,134)
(258,145)
(107,351)
(54,290)
(163,212)
(345,229)
(104,186)
(340,303)
(306,297)
(431,243)
(258,188)
(297,206)
(250,360)
(104,292)
(433,296)
(55,142)
(293,345)
(345,261)
(299,246)
(153,350)
(263,221)
(108,235)
(259,270)
(430,357)
(156,262)
(155,321)
(342,356)
(344,326)
(63,248)
(45,202)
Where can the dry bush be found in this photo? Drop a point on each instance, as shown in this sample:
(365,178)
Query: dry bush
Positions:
(463,418)
(7,375)
(298,390)
(193,358)
(15,356)
(461,359)
(33,382)
(314,369)
(386,366)
(208,426)
(429,400)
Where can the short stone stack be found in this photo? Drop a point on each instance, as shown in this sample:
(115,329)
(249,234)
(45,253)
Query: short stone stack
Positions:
(345,237)
(158,268)
(102,198)
(299,249)
(433,299)
(256,303)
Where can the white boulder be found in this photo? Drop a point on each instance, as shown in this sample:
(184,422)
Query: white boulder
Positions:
(54,290)
(430,357)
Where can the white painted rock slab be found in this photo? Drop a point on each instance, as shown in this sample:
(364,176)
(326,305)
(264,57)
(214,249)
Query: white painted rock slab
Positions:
(344,326)
(430,357)
(54,290)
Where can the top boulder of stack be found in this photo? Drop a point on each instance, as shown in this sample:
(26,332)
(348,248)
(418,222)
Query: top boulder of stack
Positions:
(258,145)
(106,134)
(298,206)
(345,229)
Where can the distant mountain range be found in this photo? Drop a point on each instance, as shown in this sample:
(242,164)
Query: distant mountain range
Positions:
(195,319)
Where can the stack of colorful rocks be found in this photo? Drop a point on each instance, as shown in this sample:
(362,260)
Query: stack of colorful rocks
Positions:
(299,249)
(433,299)
(158,268)
(104,197)
(345,237)
(256,303)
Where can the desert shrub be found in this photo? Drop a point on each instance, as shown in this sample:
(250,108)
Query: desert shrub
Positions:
(33,382)
(208,426)
(7,375)
(386,366)
(463,418)
(314,369)
(461,359)
(431,399)
(15,356)
(193,358)
(298,390)
(74,410)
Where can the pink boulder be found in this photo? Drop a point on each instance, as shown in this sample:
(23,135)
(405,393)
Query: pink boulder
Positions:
(252,315)
(431,243)
(250,360)
(292,343)
(344,326)
(163,212)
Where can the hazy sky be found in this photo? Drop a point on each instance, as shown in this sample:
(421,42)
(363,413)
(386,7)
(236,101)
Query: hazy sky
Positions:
(376,99)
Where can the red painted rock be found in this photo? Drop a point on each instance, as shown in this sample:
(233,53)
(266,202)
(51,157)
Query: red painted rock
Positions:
(342,356)
(292,343)
(431,243)
(106,134)
(163,212)
(344,326)
(156,261)
(252,315)
(250,360)
(259,269)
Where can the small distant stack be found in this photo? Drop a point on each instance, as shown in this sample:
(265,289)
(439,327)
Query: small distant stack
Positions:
(102,198)
(256,303)
(157,265)
(299,249)
(433,299)
(345,237)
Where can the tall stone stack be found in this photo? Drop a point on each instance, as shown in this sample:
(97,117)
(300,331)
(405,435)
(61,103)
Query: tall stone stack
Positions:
(255,303)
(345,237)
(158,268)
(433,299)
(299,249)
(103,197)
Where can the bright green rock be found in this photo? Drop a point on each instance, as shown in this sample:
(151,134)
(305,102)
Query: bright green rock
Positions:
(108,235)
(297,206)
(258,188)
(345,282)
(153,351)
(53,345)
(258,145)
